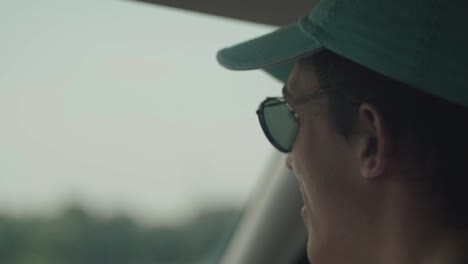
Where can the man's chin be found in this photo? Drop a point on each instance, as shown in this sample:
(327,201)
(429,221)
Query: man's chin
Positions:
(310,250)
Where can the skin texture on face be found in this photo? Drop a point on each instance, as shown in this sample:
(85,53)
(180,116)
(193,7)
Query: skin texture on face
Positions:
(328,171)
(357,208)
(326,168)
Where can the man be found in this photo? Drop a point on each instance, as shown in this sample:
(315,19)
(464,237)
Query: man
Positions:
(374,118)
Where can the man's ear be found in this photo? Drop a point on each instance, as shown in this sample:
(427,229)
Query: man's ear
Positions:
(373,142)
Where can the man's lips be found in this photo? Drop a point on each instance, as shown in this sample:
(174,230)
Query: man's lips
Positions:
(304,215)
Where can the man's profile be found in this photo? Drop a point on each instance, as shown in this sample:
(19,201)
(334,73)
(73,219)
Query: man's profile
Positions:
(374,118)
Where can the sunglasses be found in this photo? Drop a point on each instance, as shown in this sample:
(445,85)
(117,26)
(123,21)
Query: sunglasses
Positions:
(279,121)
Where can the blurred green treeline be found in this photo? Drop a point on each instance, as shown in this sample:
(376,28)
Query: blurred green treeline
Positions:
(76,237)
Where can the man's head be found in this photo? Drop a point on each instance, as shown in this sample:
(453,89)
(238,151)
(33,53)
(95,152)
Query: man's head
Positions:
(380,145)
(369,144)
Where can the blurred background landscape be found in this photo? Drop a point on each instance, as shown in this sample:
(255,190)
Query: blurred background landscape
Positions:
(121,139)
(76,236)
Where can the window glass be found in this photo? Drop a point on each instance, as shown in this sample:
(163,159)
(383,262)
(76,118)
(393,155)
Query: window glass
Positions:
(121,138)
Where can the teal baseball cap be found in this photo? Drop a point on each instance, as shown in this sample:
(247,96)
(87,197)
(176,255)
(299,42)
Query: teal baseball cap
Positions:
(422,43)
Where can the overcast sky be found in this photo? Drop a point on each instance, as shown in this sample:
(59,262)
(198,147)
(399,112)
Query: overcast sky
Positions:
(121,106)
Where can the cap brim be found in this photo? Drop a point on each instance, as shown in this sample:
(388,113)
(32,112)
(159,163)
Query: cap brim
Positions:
(275,52)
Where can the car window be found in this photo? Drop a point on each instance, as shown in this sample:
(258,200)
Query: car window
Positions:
(121,138)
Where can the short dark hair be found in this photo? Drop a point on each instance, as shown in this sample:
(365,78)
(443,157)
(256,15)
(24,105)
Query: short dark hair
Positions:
(431,132)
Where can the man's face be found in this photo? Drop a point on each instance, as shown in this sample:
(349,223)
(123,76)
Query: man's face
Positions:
(328,172)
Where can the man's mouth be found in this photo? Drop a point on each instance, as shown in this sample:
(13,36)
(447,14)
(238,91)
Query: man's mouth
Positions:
(304,215)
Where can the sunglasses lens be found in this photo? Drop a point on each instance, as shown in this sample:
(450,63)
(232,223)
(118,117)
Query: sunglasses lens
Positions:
(281,124)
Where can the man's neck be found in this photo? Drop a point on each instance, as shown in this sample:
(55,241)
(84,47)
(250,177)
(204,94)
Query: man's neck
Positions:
(410,235)
(398,230)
